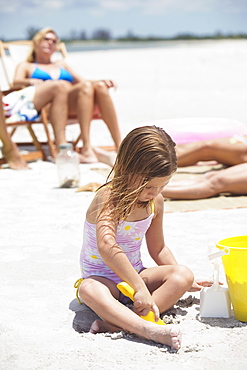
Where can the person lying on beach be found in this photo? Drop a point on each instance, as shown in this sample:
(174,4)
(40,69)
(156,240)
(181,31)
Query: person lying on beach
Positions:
(66,93)
(228,151)
(231,180)
(126,209)
(9,150)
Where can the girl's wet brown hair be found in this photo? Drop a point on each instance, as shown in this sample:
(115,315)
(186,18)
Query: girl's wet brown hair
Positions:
(38,37)
(145,153)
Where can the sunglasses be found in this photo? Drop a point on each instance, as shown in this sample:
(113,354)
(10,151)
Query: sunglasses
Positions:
(49,39)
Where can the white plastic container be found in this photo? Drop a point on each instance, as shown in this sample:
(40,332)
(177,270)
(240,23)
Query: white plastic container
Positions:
(215,300)
(67,162)
(215,303)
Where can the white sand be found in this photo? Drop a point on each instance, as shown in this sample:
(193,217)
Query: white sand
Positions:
(41,225)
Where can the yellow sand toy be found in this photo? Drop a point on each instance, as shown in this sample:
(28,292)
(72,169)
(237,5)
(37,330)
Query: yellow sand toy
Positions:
(129,292)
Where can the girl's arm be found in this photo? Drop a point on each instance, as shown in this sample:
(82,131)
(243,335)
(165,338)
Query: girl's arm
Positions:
(115,258)
(159,252)
(113,255)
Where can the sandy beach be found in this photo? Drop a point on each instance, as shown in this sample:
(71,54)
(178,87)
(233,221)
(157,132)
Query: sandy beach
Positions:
(42,225)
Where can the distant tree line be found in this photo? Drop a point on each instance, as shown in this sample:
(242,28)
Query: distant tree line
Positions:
(98,34)
(102,34)
(106,35)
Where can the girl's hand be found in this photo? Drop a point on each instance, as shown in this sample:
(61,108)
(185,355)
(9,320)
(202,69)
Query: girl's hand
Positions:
(199,284)
(144,303)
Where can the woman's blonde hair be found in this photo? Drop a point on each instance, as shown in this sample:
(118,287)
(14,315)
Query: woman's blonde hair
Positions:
(145,153)
(38,37)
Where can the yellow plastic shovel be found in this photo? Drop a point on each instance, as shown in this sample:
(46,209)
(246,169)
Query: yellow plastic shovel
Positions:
(129,292)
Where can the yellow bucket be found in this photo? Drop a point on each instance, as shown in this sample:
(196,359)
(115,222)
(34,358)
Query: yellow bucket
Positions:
(235,266)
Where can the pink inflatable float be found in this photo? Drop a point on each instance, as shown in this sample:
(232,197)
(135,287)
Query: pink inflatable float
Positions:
(188,130)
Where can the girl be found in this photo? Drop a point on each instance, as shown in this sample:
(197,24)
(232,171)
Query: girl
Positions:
(124,210)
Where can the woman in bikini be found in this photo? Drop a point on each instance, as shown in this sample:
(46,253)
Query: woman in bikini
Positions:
(66,93)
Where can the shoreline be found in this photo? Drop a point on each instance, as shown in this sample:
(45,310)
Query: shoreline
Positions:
(98,45)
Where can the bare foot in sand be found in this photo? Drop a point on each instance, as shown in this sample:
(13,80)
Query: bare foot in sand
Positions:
(87,156)
(168,334)
(104,156)
(100,326)
(14,159)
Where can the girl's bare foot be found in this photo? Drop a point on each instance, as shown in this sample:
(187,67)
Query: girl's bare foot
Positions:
(14,159)
(168,334)
(100,326)
(165,334)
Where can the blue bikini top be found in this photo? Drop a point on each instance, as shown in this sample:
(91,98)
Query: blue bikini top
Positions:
(43,75)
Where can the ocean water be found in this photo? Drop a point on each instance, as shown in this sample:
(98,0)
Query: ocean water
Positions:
(122,45)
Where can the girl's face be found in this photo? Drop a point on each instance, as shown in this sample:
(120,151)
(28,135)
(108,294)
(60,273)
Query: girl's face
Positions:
(153,188)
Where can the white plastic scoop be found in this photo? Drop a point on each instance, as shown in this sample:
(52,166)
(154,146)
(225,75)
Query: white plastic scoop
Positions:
(215,300)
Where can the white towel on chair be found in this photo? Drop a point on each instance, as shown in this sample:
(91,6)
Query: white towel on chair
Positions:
(18,105)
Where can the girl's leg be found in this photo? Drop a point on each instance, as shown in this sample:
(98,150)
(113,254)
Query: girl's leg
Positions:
(10,150)
(220,150)
(81,103)
(167,284)
(56,94)
(103,99)
(101,295)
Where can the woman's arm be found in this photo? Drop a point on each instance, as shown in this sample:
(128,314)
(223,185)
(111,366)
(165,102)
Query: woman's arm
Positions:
(108,83)
(157,248)
(22,75)
(77,78)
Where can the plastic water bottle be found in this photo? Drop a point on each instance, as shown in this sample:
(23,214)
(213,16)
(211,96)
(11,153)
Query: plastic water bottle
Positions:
(67,162)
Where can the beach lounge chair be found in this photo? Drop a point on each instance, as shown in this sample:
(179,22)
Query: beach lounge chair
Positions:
(12,53)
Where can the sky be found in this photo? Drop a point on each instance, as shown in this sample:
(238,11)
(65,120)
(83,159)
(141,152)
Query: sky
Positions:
(144,18)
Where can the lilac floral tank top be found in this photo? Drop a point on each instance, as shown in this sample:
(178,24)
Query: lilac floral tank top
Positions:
(129,237)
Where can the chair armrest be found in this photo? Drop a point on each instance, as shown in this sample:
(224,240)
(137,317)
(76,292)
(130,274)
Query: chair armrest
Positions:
(14,88)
